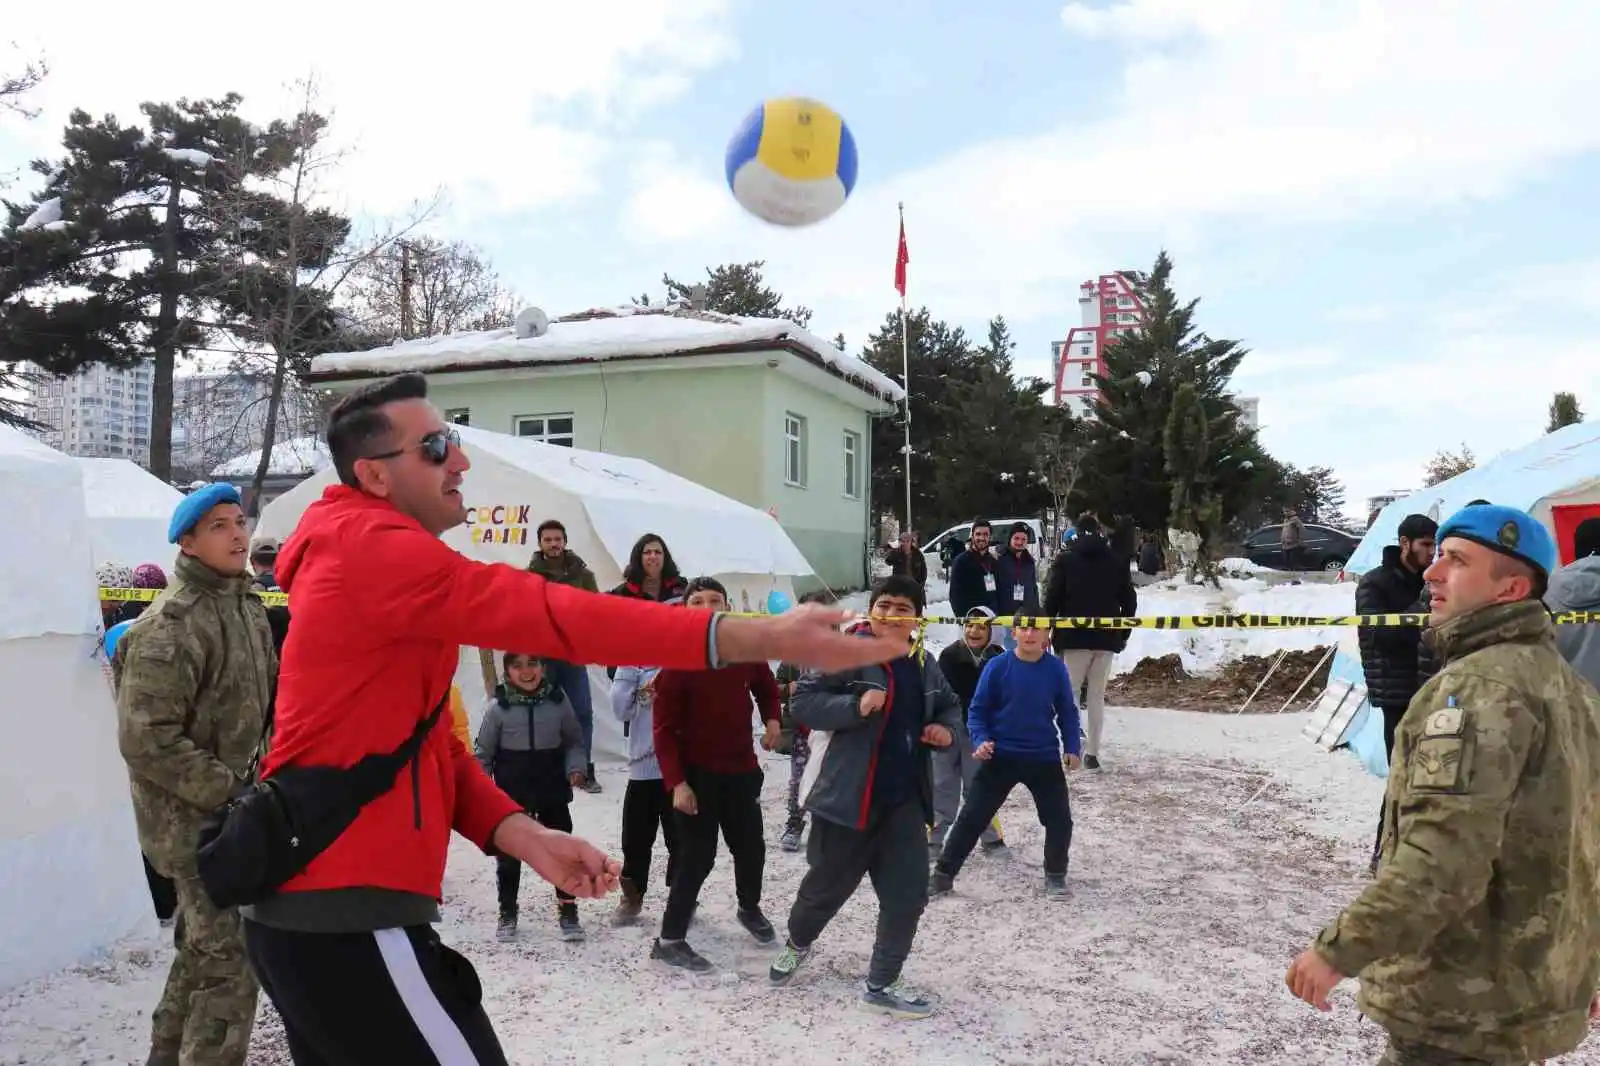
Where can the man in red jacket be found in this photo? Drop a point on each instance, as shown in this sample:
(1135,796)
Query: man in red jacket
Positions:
(346,950)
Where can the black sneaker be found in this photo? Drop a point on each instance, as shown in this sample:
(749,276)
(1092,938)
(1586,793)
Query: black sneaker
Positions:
(1091,762)
(1055,887)
(571,930)
(993,847)
(507,929)
(940,884)
(756,924)
(678,953)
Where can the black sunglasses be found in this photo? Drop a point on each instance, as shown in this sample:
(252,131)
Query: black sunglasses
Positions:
(435,447)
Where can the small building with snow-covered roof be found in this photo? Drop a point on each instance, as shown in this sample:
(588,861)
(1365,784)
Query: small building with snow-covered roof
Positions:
(291,462)
(758,409)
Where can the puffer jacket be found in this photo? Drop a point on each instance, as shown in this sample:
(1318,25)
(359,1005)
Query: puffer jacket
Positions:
(1576,587)
(1389,653)
(1089,580)
(837,785)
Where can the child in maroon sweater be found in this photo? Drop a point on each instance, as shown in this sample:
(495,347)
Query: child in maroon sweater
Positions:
(702,735)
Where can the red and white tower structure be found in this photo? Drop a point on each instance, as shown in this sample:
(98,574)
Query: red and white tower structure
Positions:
(1111,306)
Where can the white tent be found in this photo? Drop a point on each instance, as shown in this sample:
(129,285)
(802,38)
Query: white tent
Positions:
(606,502)
(129,510)
(71,882)
(1556,479)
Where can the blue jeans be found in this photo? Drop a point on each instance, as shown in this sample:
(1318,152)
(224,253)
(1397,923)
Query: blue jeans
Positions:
(574,681)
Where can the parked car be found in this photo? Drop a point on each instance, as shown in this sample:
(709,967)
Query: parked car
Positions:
(942,549)
(1326,548)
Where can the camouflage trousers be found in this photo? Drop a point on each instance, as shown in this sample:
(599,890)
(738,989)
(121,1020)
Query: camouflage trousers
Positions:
(208,1007)
(1410,1053)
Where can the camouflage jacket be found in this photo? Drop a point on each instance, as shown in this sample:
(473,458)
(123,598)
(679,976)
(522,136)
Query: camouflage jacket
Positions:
(1481,932)
(194,679)
(569,569)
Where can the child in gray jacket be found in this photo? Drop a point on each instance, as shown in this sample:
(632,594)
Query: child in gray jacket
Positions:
(531,744)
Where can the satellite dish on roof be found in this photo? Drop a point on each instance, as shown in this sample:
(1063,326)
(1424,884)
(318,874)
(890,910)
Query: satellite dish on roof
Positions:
(530,322)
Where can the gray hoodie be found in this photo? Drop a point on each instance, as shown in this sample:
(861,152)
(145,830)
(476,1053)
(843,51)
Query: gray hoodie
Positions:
(1576,587)
(633,709)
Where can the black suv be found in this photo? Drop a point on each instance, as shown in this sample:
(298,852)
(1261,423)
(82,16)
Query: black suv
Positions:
(1324,547)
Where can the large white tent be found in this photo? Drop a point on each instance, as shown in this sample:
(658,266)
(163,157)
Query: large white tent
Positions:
(71,882)
(606,502)
(129,510)
(1556,479)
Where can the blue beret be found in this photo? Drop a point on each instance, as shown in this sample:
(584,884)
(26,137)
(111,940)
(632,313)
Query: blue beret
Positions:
(1506,530)
(196,504)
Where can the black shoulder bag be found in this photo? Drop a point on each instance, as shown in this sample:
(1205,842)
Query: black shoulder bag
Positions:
(270,830)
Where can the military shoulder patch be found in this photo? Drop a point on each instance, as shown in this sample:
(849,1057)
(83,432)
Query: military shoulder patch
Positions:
(1445,722)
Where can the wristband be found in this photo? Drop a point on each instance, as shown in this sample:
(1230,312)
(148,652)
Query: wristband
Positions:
(711,643)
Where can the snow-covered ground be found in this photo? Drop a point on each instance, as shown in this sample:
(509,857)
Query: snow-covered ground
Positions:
(1208,852)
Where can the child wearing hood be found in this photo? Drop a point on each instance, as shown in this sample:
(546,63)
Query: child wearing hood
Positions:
(531,744)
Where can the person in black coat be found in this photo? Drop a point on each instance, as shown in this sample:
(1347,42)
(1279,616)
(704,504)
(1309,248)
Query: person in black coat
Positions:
(972,577)
(906,560)
(1090,580)
(1389,654)
(1016,579)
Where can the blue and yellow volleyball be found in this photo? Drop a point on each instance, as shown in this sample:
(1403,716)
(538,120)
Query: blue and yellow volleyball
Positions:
(792,162)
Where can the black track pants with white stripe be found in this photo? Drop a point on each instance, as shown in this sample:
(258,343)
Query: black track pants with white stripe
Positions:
(394,997)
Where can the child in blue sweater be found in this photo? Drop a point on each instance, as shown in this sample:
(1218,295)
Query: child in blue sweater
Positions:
(1024,726)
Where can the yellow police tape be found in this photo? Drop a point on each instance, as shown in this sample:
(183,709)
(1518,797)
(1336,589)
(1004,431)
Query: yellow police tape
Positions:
(1188,621)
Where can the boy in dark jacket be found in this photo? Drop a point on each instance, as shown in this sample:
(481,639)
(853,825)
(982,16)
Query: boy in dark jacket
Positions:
(530,742)
(954,767)
(702,734)
(870,793)
(1024,722)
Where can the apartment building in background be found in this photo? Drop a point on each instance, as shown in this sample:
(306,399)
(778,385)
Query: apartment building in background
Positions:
(1109,307)
(101,412)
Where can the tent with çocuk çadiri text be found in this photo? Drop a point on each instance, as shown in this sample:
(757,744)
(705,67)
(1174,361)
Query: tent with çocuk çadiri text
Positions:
(71,881)
(606,503)
(1555,478)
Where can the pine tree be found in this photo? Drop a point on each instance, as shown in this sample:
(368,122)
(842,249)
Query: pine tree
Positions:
(739,289)
(1316,494)
(1564,411)
(130,259)
(1127,468)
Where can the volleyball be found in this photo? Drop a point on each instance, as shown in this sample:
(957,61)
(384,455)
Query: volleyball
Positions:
(792,162)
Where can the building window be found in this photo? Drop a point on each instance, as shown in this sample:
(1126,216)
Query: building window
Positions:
(852,464)
(458,416)
(1085,350)
(1088,380)
(794,450)
(552,429)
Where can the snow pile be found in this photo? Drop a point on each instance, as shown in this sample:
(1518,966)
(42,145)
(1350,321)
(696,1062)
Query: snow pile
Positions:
(603,335)
(46,214)
(194,157)
(1204,651)
(1237,567)
(299,457)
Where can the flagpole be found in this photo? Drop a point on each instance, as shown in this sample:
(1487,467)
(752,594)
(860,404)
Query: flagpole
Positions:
(905,376)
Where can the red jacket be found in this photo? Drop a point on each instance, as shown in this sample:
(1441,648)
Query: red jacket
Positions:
(380,609)
(702,718)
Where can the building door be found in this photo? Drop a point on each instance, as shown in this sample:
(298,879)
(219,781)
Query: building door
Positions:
(1566,520)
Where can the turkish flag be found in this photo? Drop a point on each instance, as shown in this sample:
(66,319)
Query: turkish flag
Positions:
(902,257)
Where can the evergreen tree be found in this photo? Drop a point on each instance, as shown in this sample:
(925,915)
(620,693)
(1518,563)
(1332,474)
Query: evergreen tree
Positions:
(1564,411)
(1194,505)
(1316,494)
(738,289)
(119,258)
(1127,469)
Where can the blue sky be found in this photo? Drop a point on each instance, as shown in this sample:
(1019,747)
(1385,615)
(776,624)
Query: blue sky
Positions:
(1393,210)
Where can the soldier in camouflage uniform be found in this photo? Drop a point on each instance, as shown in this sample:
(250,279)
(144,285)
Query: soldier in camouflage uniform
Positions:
(1477,941)
(194,678)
